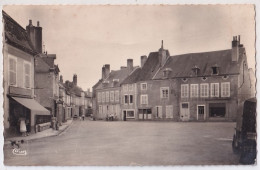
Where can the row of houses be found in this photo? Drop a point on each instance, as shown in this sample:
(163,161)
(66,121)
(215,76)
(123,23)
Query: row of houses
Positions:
(206,86)
(33,88)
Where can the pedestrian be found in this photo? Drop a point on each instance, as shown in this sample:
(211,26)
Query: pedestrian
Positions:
(23,126)
(83,116)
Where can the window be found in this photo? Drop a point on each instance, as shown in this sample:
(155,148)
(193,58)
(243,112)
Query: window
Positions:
(194,90)
(99,97)
(184,90)
(27,75)
(204,90)
(107,96)
(130,99)
(217,109)
(143,86)
(126,99)
(214,70)
(144,99)
(225,89)
(214,89)
(164,92)
(125,87)
(12,70)
(103,97)
(112,96)
(117,96)
(130,87)
(130,114)
(100,109)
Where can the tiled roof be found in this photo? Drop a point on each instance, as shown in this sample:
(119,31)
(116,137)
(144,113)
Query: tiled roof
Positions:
(16,35)
(119,75)
(72,88)
(181,65)
(133,78)
(150,67)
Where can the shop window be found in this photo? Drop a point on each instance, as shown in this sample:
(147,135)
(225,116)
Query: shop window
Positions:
(130,114)
(217,109)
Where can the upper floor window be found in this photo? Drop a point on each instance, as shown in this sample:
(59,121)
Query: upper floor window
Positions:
(117,96)
(125,87)
(194,90)
(225,89)
(143,86)
(103,96)
(12,70)
(214,89)
(99,97)
(144,99)
(130,87)
(184,90)
(112,96)
(204,90)
(126,99)
(130,99)
(27,75)
(164,92)
(215,69)
(107,96)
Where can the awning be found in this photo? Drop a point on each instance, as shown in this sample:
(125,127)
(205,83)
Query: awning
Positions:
(33,105)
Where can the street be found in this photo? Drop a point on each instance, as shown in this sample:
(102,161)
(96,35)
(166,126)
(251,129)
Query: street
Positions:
(131,144)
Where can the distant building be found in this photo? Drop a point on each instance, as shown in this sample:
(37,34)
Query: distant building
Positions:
(77,97)
(107,91)
(88,103)
(18,79)
(206,86)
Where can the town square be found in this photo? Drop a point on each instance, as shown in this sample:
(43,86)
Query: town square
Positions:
(162,85)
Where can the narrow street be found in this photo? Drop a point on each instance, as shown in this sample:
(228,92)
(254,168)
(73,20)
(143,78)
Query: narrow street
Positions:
(131,143)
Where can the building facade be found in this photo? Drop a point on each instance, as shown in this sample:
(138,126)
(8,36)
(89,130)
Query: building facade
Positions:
(18,79)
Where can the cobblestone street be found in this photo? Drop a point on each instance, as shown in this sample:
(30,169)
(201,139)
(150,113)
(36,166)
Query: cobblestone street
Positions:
(131,143)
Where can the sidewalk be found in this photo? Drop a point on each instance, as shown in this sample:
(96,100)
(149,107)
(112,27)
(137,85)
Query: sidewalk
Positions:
(46,133)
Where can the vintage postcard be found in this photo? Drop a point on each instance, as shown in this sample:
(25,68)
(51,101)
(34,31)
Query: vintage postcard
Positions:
(129,85)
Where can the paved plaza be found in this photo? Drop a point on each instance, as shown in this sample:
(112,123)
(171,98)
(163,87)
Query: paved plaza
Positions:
(133,143)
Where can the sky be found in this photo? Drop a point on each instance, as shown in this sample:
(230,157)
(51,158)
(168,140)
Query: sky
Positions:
(84,38)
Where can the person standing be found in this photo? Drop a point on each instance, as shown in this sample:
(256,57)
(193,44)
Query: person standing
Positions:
(83,116)
(23,126)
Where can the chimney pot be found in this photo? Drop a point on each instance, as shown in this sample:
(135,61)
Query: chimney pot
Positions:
(38,23)
(130,65)
(143,60)
(30,22)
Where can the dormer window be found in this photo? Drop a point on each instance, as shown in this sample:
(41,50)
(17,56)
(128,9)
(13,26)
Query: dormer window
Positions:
(196,70)
(167,72)
(215,69)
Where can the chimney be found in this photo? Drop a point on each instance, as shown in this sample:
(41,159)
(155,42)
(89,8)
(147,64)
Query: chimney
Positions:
(61,78)
(162,55)
(130,65)
(35,35)
(103,73)
(143,60)
(235,48)
(107,70)
(75,79)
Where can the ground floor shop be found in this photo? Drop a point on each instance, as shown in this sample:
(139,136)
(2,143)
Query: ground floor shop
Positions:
(23,115)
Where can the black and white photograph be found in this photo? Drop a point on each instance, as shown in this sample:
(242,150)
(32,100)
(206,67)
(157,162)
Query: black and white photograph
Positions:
(129,85)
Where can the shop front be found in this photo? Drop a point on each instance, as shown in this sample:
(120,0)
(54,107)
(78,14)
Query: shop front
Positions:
(26,110)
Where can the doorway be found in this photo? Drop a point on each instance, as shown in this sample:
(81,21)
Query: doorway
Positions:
(201,112)
(185,112)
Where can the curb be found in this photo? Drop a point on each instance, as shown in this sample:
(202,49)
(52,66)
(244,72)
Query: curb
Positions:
(6,142)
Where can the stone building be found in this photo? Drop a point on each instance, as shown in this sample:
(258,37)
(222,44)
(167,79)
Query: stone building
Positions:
(18,79)
(77,97)
(107,92)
